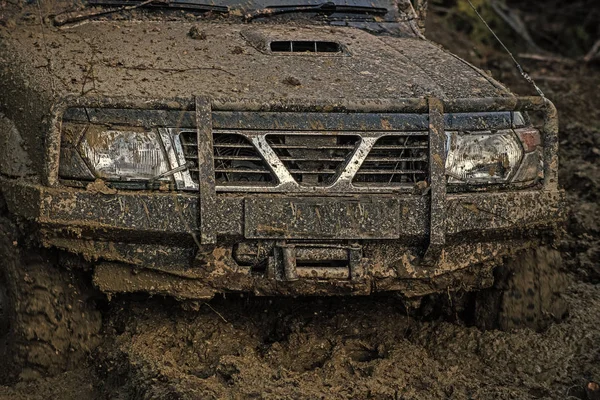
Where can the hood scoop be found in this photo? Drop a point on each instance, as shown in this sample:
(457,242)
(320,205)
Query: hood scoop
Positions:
(295,42)
(305,46)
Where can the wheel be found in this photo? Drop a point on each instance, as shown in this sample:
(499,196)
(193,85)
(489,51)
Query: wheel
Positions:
(527,293)
(49,322)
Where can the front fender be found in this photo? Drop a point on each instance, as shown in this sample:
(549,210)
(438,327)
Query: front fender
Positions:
(14,159)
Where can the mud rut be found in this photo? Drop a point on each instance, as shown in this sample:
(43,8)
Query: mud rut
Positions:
(340,348)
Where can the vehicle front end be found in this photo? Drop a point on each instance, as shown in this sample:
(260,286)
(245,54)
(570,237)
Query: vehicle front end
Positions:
(359,164)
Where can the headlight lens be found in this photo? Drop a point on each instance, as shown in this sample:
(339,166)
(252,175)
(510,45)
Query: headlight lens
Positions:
(124,154)
(118,153)
(482,157)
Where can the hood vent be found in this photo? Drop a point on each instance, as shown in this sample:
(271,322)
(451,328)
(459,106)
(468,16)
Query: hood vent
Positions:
(305,46)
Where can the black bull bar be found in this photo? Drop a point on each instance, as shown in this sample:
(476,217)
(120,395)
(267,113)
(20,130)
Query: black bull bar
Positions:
(435,107)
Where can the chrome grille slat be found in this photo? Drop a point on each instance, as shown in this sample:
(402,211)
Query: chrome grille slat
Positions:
(234,146)
(240,158)
(242,171)
(390,172)
(338,159)
(313,172)
(305,147)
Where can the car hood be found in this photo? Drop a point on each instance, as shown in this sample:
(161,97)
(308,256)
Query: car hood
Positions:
(221,60)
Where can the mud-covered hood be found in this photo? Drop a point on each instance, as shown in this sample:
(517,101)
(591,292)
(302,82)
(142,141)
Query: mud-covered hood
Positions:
(161,59)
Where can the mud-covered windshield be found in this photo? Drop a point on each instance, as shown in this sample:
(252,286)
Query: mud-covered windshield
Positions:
(332,8)
(374,15)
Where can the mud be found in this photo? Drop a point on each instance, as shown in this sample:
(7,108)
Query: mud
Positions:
(341,348)
(370,347)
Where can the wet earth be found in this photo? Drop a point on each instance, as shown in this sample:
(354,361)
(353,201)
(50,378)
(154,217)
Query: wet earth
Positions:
(369,347)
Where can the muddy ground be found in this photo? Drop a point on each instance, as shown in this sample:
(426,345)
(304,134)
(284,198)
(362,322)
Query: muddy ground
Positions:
(359,348)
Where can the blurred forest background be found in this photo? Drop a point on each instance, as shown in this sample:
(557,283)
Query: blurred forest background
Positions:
(567,28)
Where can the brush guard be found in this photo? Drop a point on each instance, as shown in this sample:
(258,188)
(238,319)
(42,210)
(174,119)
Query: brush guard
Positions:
(290,254)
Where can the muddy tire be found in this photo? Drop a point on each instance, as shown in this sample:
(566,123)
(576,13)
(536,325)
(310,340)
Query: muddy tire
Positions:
(527,293)
(49,323)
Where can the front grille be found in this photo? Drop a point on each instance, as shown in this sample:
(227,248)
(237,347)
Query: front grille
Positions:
(313,160)
(236,161)
(395,160)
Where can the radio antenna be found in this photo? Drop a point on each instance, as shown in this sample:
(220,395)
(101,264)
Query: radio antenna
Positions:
(519,67)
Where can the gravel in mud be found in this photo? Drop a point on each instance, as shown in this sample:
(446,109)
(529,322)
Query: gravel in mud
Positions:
(368,347)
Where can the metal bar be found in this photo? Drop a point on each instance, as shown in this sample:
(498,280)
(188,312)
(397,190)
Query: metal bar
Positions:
(52,150)
(312,171)
(241,171)
(390,171)
(314,159)
(310,133)
(238,158)
(437,182)
(355,262)
(395,160)
(550,138)
(322,272)
(302,147)
(234,146)
(400,147)
(288,253)
(410,105)
(207,192)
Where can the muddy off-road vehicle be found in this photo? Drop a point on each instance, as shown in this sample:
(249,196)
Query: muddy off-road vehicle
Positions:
(190,148)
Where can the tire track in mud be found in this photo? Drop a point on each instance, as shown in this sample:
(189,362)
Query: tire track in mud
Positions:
(344,348)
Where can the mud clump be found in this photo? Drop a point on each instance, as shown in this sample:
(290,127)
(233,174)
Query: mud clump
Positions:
(196,33)
(291,81)
(99,186)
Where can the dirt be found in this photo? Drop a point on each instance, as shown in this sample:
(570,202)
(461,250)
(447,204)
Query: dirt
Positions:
(370,347)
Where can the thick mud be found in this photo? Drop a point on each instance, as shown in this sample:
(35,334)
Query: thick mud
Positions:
(370,347)
(343,348)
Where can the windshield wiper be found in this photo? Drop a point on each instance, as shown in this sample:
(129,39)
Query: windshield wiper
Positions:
(124,5)
(181,4)
(326,8)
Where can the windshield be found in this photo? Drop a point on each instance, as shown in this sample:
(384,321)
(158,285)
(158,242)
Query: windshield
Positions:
(383,16)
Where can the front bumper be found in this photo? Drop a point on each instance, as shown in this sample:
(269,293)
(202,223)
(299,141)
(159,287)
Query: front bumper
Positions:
(159,232)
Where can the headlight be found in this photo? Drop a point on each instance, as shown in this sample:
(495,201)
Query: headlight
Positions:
(483,157)
(114,154)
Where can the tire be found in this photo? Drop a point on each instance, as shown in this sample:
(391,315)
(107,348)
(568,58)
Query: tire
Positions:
(527,293)
(50,324)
